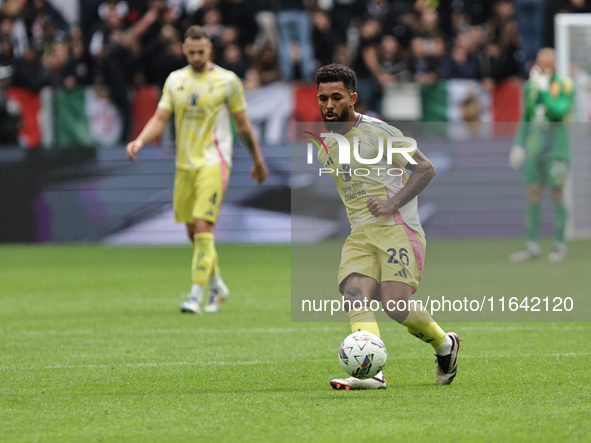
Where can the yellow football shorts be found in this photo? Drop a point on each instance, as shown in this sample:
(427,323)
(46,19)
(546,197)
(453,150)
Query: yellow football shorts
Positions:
(199,193)
(384,253)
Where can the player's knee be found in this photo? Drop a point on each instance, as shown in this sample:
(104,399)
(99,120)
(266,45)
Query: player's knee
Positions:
(190,231)
(396,298)
(353,298)
(557,195)
(396,311)
(202,226)
(534,194)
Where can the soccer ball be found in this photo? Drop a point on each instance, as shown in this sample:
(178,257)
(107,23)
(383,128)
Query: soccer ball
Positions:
(362,354)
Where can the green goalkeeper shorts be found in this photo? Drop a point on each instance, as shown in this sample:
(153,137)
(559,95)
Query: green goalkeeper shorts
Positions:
(545,171)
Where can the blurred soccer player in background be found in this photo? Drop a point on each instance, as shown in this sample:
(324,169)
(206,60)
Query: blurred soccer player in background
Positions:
(542,149)
(203,97)
(383,258)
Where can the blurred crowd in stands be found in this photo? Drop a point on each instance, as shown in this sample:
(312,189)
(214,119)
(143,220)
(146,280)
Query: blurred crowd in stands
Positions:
(125,43)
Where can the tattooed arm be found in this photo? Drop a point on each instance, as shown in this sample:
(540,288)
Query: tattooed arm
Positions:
(259,168)
(422,173)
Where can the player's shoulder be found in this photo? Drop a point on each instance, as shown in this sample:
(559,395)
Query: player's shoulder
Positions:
(224,74)
(178,76)
(377,126)
(568,85)
(180,73)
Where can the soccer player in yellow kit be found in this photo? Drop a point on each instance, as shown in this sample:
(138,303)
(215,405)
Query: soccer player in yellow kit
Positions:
(203,98)
(385,253)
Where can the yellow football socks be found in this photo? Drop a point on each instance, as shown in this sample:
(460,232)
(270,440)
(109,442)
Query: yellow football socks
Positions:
(204,254)
(215,269)
(420,324)
(363,320)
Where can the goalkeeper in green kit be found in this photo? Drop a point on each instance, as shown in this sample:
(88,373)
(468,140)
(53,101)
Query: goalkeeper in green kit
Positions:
(542,149)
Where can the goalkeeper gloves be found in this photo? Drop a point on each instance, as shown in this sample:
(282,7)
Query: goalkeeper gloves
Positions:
(539,79)
(517,157)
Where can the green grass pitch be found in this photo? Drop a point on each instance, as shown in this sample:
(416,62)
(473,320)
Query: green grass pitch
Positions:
(93,348)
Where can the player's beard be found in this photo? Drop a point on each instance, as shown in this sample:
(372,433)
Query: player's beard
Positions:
(337,124)
(200,67)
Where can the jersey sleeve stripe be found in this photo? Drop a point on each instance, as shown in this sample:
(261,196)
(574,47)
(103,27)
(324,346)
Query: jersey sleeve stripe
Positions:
(384,127)
(358,120)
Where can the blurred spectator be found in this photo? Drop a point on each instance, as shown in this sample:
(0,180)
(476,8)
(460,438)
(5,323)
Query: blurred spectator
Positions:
(342,15)
(6,51)
(412,22)
(381,11)
(391,60)
(367,64)
(478,10)
(146,30)
(10,121)
(78,70)
(422,65)
(503,11)
(36,12)
(324,38)
(398,24)
(49,38)
(56,62)
(430,23)
(267,26)
(479,40)
(295,26)
(194,11)
(342,55)
(12,24)
(168,58)
(252,80)
(461,63)
(230,36)
(266,66)
(212,22)
(133,10)
(112,48)
(530,14)
(240,14)
(263,41)
(234,60)
(506,56)
(29,72)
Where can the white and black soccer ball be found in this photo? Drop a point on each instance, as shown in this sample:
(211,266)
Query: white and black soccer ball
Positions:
(362,354)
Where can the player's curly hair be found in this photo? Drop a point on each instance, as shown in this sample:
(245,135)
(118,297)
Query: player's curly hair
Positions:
(337,73)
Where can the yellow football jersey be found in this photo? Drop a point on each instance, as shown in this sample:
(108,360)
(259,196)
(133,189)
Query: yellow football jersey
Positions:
(202,104)
(357,182)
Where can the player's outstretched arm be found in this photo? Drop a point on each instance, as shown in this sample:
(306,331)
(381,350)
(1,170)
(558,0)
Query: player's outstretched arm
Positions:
(259,170)
(422,173)
(152,130)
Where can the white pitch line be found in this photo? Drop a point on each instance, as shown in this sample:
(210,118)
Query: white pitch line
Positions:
(522,328)
(276,330)
(146,365)
(178,331)
(257,362)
